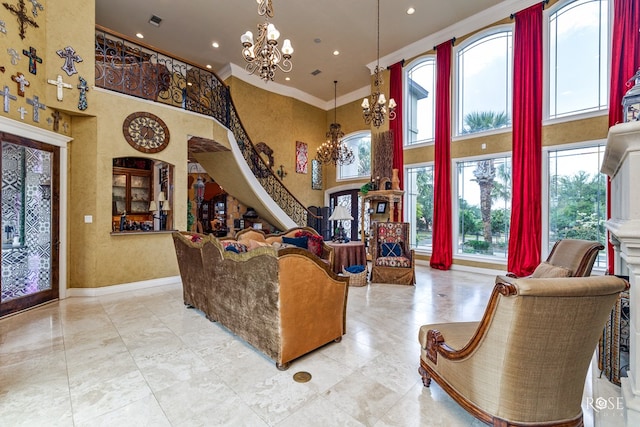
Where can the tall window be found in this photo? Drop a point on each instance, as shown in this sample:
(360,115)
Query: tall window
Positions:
(419,205)
(360,143)
(578,57)
(577,196)
(420,101)
(484,206)
(484,70)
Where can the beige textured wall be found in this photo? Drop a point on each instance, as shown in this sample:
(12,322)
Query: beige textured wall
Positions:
(280,121)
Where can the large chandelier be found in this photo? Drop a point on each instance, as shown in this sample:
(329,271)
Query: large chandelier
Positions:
(374,111)
(334,150)
(264,56)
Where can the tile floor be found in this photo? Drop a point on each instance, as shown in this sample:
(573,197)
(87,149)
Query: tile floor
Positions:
(141,358)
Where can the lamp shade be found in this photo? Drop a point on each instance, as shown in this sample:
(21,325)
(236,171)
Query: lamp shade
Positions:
(153,206)
(340,213)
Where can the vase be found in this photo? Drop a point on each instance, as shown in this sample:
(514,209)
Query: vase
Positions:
(395,181)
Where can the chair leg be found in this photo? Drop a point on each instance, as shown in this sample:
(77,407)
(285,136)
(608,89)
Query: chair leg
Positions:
(426,378)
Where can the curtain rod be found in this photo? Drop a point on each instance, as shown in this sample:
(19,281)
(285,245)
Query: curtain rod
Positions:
(513,15)
(453,43)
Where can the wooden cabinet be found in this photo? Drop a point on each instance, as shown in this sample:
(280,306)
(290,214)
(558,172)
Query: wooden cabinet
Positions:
(383,205)
(131,193)
(213,215)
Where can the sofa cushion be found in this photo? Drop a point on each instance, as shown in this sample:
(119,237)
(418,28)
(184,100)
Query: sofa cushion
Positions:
(301,242)
(547,270)
(314,242)
(232,246)
(391,249)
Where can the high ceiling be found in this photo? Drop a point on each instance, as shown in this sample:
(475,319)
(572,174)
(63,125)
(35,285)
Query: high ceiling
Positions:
(316,29)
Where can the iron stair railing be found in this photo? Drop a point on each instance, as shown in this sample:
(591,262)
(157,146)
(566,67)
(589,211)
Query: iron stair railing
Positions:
(126,66)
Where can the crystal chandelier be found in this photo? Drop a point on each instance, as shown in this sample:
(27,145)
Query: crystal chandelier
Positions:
(374,111)
(264,56)
(334,150)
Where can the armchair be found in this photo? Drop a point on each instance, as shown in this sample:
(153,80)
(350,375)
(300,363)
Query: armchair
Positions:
(392,259)
(568,258)
(526,361)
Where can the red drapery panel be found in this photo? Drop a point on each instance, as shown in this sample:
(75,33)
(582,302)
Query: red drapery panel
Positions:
(395,92)
(625,59)
(442,252)
(526,220)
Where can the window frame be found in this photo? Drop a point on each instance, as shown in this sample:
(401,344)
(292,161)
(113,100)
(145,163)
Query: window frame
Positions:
(456,92)
(407,99)
(354,135)
(407,206)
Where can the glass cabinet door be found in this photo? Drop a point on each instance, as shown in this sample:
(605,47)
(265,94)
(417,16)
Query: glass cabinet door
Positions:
(140,194)
(119,194)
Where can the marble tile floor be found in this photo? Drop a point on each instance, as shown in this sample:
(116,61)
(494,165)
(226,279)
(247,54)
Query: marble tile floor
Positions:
(140,358)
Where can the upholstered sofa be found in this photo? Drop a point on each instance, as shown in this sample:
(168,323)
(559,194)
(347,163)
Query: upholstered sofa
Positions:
(252,238)
(284,302)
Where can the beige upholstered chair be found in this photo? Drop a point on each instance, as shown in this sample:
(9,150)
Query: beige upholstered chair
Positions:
(568,258)
(526,361)
(392,260)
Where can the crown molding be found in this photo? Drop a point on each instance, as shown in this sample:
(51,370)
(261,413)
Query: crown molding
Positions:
(461,28)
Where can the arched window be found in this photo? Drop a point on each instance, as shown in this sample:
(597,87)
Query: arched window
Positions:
(419,91)
(484,81)
(360,143)
(578,34)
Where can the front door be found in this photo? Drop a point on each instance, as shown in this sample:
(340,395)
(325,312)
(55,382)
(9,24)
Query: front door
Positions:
(30,203)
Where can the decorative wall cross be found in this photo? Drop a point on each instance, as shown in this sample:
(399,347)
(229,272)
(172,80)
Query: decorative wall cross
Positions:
(36,5)
(70,59)
(60,85)
(21,81)
(15,56)
(3,27)
(84,88)
(37,106)
(22,112)
(65,126)
(2,69)
(7,98)
(21,14)
(33,59)
(56,120)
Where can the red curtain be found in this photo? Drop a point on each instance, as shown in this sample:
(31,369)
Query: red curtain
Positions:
(625,59)
(395,92)
(442,252)
(526,220)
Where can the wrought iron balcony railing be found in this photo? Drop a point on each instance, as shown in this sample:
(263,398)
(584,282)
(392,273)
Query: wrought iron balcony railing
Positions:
(135,69)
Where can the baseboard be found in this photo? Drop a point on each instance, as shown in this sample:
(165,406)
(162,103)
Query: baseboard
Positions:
(125,287)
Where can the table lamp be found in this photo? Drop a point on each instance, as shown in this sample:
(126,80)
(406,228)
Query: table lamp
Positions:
(340,213)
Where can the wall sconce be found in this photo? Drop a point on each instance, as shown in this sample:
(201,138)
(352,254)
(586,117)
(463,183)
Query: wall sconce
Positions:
(281,172)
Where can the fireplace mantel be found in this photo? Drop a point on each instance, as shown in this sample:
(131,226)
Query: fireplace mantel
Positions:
(622,163)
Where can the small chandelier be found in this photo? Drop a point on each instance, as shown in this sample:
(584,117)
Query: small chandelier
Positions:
(334,150)
(264,56)
(374,111)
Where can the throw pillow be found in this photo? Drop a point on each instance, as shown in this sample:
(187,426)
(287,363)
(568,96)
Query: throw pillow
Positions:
(253,244)
(314,242)
(300,242)
(355,269)
(547,270)
(236,247)
(391,249)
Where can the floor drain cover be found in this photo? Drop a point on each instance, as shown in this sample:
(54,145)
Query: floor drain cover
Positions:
(301,377)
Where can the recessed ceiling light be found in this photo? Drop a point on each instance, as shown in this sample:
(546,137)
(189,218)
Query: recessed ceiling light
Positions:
(215,44)
(139,35)
(317,41)
(209,66)
(287,78)
(410,11)
(336,52)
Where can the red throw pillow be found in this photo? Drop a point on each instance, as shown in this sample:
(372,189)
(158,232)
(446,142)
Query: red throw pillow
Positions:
(314,242)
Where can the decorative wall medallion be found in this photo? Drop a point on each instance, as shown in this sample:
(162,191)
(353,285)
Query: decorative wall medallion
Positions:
(146,132)
(21,14)
(21,81)
(7,98)
(15,56)
(37,106)
(33,59)
(36,6)
(70,59)
(84,88)
(60,85)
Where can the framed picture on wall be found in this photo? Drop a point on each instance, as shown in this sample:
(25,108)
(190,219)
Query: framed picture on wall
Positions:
(301,157)
(381,207)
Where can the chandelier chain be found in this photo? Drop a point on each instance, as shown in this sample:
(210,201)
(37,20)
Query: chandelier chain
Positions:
(334,150)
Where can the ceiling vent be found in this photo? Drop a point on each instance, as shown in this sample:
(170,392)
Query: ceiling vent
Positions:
(155,20)
(315,72)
